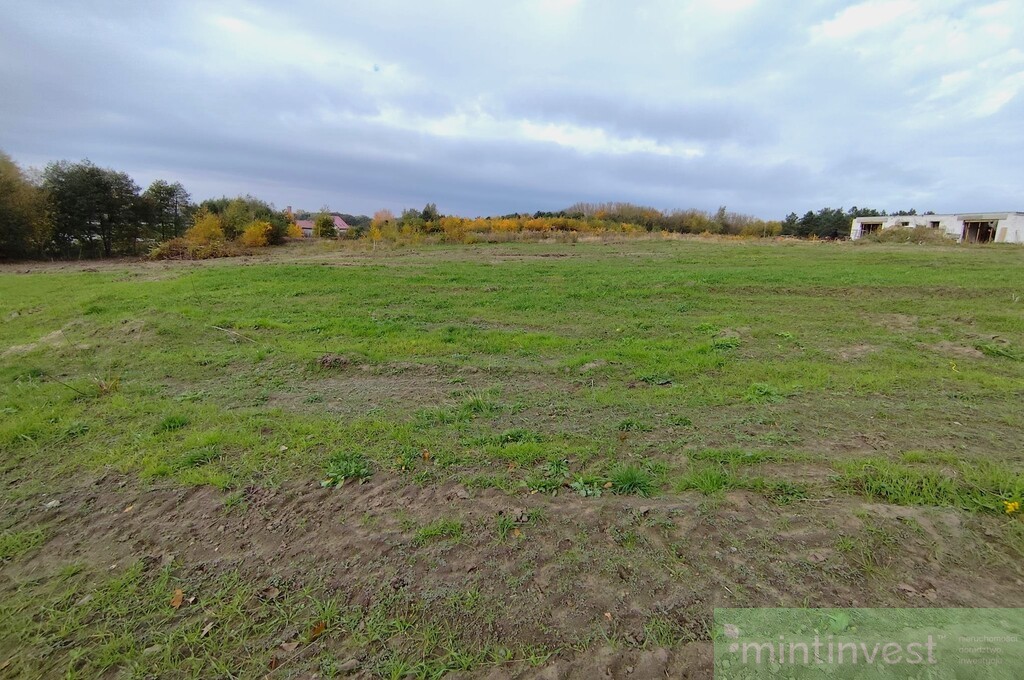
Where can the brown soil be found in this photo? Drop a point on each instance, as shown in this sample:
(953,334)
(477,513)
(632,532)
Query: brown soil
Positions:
(897,323)
(953,349)
(854,352)
(588,571)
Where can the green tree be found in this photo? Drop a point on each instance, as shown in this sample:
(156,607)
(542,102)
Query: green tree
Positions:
(95,210)
(168,208)
(430,213)
(323,226)
(411,219)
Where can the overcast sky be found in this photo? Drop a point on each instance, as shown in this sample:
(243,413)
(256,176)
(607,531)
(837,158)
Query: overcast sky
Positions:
(766,106)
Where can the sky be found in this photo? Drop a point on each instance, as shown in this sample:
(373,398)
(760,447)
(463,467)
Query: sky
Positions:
(764,106)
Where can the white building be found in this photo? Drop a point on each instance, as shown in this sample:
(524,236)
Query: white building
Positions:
(1005,227)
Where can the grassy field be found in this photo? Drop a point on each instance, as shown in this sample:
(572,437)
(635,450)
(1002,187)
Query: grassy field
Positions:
(500,458)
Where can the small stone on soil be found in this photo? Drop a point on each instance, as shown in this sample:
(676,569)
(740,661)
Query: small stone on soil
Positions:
(348,666)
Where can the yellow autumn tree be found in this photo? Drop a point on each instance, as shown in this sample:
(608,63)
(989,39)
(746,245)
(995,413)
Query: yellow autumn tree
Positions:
(294,230)
(257,234)
(383,221)
(207,228)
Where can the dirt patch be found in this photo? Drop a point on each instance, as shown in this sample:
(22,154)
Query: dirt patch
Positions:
(591,365)
(897,323)
(854,352)
(948,348)
(54,339)
(333,361)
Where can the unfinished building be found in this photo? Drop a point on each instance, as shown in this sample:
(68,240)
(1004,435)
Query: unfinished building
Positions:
(988,227)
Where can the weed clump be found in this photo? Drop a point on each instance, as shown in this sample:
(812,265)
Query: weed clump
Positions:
(762,393)
(346,465)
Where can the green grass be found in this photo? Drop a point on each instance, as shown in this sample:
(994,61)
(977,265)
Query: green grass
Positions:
(479,363)
(123,619)
(883,373)
(632,479)
(442,529)
(715,479)
(17,543)
(971,486)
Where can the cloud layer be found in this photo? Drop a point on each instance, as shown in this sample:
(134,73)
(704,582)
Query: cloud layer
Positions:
(764,106)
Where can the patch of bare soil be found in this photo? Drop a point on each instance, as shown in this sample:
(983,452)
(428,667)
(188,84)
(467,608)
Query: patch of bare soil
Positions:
(854,352)
(577,573)
(53,339)
(948,348)
(897,323)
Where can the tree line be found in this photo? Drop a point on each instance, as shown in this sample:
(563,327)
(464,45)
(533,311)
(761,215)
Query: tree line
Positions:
(80,210)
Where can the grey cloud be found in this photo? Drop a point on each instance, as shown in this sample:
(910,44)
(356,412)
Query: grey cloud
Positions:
(786,123)
(695,120)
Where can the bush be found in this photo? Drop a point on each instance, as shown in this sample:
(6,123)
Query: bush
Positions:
(257,234)
(294,230)
(207,229)
(918,235)
(183,249)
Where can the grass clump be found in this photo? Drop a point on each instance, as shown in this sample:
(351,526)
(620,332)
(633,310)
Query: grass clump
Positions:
(171,423)
(480,405)
(977,487)
(199,457)
(992,349)
(929,457)
(17,543)
(709,480)
(633,425)
(346,465)
(450,529)
(725,343)
(518,435)
(632,479)
(715,479)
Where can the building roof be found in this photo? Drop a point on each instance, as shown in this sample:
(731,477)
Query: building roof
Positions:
(339,224)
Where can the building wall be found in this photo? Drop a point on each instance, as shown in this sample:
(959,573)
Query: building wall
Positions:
(1012,230)
(1010,226)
